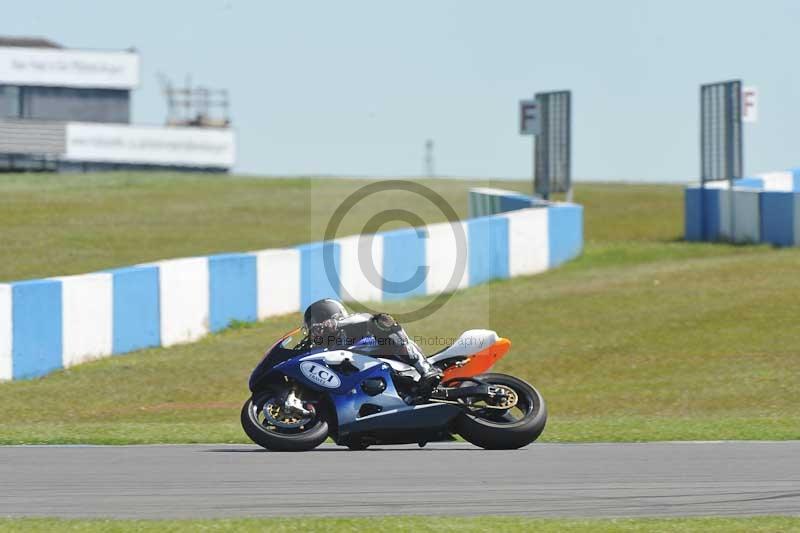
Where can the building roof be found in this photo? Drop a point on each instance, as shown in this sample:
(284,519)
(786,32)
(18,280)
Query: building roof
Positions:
(28,42)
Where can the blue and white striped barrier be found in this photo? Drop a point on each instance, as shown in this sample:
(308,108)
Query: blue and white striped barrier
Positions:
(781,181)
(763,209)
(484,201)
(59,322)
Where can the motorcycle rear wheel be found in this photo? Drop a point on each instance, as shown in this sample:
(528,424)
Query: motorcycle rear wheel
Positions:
(498,430)
(275,439)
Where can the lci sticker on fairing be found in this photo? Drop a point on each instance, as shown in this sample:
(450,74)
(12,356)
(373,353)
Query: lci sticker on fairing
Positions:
(320,374)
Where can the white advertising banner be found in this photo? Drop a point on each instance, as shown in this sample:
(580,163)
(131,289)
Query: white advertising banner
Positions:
(749,104)
(54,67)
(153,145)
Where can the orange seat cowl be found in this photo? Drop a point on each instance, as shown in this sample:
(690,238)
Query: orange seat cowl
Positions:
(479,362)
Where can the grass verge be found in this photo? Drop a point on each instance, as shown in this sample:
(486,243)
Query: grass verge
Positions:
(642,338)
(772,524)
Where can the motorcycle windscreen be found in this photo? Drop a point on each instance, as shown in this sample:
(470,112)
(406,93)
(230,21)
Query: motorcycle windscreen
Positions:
(274,355)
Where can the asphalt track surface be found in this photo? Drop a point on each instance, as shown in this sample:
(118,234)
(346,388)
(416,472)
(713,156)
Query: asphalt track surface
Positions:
(554,480)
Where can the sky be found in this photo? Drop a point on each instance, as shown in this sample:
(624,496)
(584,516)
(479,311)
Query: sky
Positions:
(356,87)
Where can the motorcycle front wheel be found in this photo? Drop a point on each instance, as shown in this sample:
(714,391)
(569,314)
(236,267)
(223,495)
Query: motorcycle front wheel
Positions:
(509,428)
(262,421)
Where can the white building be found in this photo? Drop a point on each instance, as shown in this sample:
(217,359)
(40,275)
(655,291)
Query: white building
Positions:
(64,109)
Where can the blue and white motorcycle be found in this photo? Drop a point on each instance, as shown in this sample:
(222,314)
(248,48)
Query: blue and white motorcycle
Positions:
(303,394)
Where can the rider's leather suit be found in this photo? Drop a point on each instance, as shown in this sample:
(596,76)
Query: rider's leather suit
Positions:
(380,335)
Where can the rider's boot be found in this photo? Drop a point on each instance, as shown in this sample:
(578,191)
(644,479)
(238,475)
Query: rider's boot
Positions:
(430,376)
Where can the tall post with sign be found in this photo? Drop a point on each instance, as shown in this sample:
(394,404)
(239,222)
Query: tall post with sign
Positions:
(720,142)
(548,118)
(530,124)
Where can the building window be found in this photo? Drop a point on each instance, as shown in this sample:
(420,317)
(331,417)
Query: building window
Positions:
(9,101)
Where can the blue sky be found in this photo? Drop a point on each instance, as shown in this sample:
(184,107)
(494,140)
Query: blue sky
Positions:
(355,87)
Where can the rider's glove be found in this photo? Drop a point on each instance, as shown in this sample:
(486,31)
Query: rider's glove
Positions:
(325,327)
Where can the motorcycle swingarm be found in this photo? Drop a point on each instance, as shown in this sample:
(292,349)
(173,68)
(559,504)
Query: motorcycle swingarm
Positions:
(456,393)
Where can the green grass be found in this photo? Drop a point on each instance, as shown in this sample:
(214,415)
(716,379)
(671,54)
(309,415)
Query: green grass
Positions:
(772,524)
(70,224)
(642,338)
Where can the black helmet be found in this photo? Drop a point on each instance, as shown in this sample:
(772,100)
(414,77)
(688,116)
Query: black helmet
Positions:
(322,310)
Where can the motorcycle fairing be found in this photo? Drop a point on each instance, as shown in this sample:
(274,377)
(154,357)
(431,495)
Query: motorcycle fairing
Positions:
(349,397)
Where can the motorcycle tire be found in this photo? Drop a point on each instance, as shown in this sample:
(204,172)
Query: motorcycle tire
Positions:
(281,442)
(502,434)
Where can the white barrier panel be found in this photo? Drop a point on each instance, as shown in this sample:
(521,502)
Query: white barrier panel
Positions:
(86,317)
(528,248)
(48,67)
(184,299)
(355,285)
(6,368)
(717,185)
(747,228)
(154,145)
(278,282)
(442,257)
(778,181)
(725,210)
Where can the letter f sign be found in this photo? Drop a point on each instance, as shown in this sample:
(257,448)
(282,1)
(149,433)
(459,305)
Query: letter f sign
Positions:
(529,117)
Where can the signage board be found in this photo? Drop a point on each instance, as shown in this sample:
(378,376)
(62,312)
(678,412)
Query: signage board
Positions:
(55,67)
(721,131)
(529,123)
(552,170)
(154,145)
(749,104)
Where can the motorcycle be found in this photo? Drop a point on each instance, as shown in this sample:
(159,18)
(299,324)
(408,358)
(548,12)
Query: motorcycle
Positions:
(302,394)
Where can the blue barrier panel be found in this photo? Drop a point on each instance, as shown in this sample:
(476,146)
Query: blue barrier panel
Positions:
(232,289)
(487,239)
(706,216)
(749,183)
(796,196)
(474,205)
(483,204)
(404,265)
(691,217)
(137,316)
(37,328)
(513,203)
(711,211)
(564,232)
(315,283)
(777,218)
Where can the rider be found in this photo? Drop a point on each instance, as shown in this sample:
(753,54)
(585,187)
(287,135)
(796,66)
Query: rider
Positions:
(329,324)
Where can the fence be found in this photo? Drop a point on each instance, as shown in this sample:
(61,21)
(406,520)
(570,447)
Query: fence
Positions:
(59,322)
(766,209)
